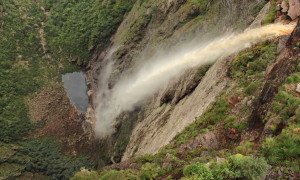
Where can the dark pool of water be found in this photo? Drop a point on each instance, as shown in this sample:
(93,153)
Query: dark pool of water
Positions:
(75,86)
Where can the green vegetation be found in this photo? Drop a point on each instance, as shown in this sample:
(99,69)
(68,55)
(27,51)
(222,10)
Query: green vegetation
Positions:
(202,4)
(78,27)
(250,63)
(285,105)
(21,57)
(271,15)
(85,174)
(246,148)
(251,89)
(232,167)
(199,170)
(284,149)
(40,156)
(257,7)
(72,29)
(235,167)
(294,78)
(122,175)
(239,166)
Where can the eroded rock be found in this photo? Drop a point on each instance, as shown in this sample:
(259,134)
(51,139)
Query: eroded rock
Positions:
(284,6)
(294,9)
(298,88)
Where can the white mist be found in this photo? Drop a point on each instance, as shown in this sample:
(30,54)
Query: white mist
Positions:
(131,91)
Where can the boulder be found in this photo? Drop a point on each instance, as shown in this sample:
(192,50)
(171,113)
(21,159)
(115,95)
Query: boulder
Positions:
(294,9)
(284,7)
(298,88)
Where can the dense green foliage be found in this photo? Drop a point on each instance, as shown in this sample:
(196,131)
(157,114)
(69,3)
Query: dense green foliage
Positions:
(40,156)
(286,146)
(20,57)
(247,67)
(46,158)
(198,169)
(284,149)
(271,15)
(77,27)
(71,28)
(233,167)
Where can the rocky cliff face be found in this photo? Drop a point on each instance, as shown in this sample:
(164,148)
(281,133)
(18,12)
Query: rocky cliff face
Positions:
(155,25)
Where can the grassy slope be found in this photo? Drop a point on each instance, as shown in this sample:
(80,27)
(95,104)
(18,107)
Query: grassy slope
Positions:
(25,69)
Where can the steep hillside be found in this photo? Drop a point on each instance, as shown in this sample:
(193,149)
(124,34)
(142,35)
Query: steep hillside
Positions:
(156,26)
(219,110)
(42,134)
(236,117)
(232,139)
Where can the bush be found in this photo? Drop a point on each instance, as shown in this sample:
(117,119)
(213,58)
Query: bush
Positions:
(241,167)
(285,105)
(246,148)
(119,175)
(250,90)
(199,170)
(239,126)
(86,175)
(150,171)
(145,158)
(283,147)
(297,116)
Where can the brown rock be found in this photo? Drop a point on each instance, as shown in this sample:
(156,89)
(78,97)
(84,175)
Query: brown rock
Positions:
(294,10)
(298,88)
(278,7)
(284,6)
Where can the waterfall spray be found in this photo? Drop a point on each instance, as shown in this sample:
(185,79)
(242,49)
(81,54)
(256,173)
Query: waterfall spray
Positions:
(131,91)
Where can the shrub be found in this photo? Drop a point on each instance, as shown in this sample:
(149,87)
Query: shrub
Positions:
(145,158)
(241,167)
(239,126)
(285,146)
(250,90)
(150,171)
(285,105)
(246,148)
(86,175)
(119,175)
(198,170)
(289,80)
(297,116)
(298,67)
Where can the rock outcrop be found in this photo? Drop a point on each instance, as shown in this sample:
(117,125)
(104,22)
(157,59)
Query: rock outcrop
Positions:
(294,9)
(166,25)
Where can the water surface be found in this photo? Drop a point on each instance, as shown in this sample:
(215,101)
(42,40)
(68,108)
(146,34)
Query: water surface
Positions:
(75,86)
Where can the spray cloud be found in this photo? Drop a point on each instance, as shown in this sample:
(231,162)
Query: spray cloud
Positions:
(130,91)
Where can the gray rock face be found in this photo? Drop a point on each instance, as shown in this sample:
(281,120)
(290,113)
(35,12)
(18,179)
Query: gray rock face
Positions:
(257,22)
(294,10)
